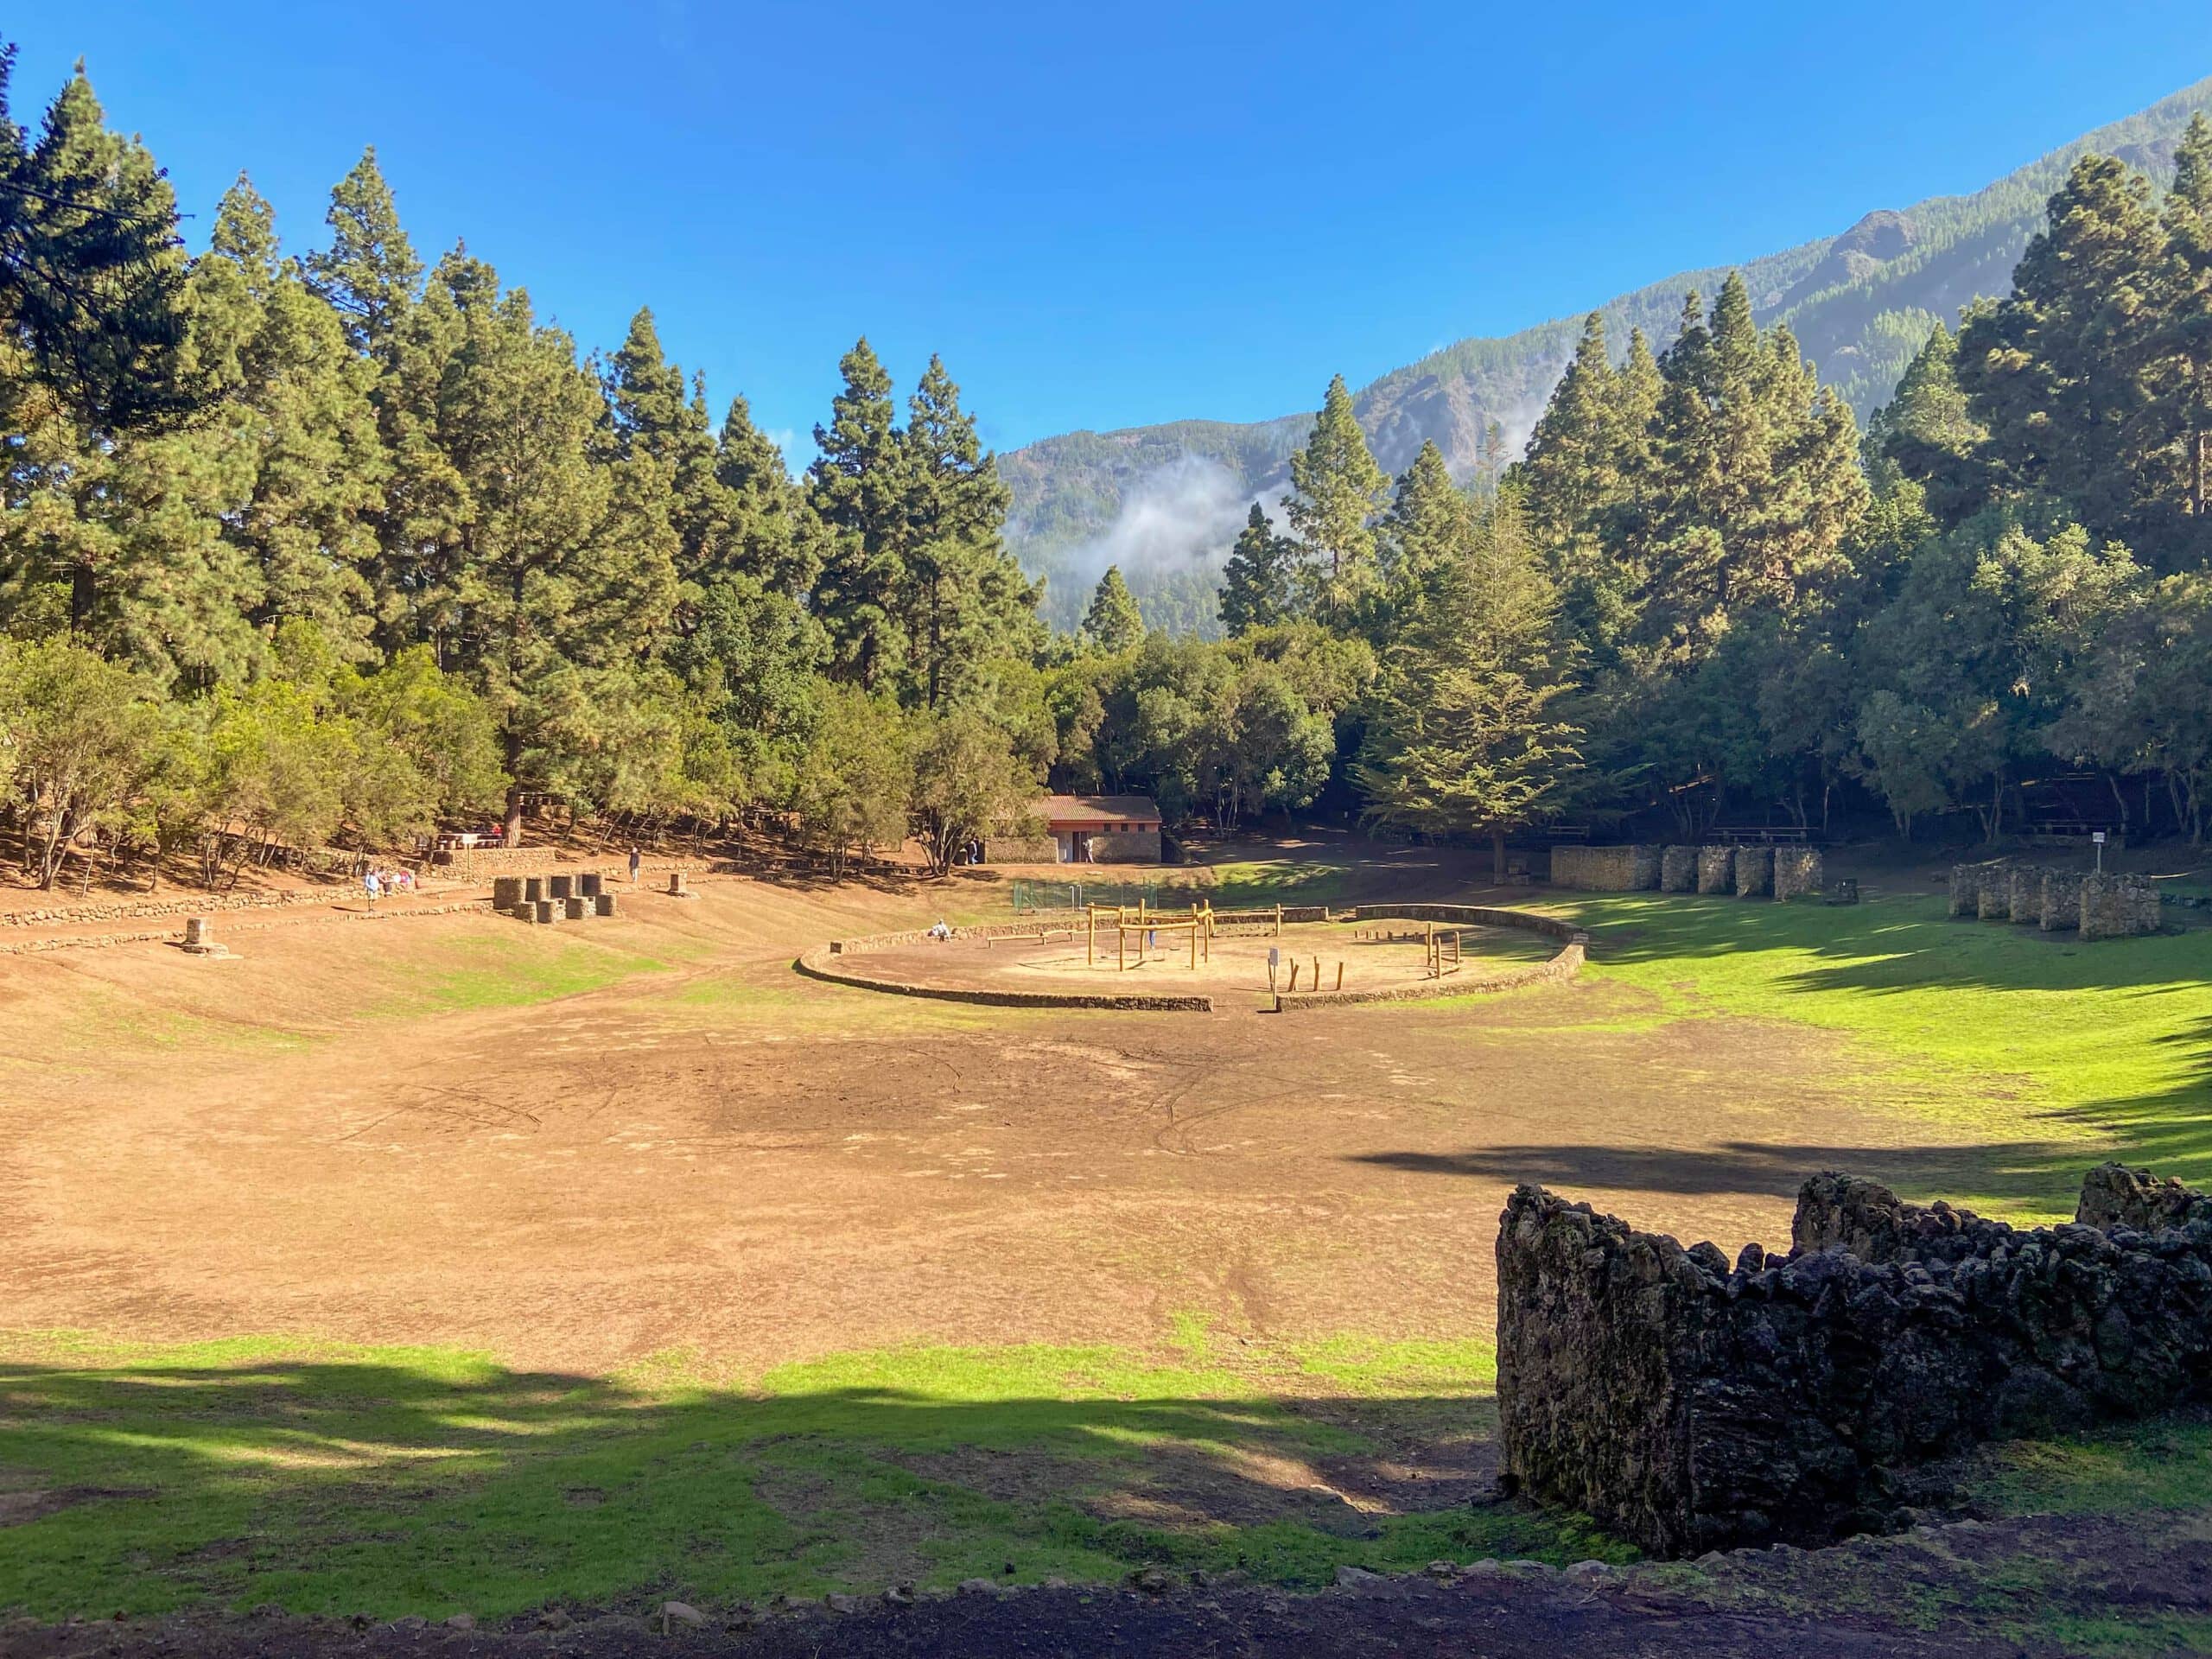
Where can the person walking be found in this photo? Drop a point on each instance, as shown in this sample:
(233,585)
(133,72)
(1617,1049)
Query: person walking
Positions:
(373,884)
(636,863)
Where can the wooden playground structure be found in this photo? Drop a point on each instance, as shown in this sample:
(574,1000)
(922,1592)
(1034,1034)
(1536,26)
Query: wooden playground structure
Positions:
(1147,924)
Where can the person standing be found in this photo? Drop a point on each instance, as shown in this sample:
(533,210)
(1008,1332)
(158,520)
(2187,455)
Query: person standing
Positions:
(373,886)
(636,863)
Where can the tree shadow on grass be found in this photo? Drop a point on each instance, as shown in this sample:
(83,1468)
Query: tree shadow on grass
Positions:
(427,1483)
(2022,1171)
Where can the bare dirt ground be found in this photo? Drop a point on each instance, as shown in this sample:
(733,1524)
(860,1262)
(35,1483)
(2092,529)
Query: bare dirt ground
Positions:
(344,1131)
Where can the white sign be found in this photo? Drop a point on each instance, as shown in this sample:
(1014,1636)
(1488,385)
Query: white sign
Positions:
(1275,955)
(2098,837)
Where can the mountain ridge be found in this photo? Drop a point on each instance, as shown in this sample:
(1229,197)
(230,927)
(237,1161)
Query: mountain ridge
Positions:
(1164,500)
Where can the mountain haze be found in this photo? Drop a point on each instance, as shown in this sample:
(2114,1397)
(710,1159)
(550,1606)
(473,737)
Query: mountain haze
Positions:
(1164,502)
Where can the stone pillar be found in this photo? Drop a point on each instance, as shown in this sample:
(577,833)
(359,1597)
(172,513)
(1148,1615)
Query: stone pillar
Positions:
(1678,870)
(602,904)
(506,892)
(2118,906)
(543,911)
(199,936)
(562,888)
(1754,871)
(1797,872)
(575,909)
(2024,893)
(533,890)
(2060,905)
(679,887)
(591,884)
(1716,869)
(1966,887)
(1993,894)
(1643,870)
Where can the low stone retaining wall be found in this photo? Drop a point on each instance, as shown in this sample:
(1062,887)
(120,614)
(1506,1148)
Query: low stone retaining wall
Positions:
(2060,905)
(1754,871)
(480,864)
(2118,906)
(1564,965)
(131,910)
(832,963)
(163,935)
(1716,869)
(1606,869)
(1678,870)
(1689,1405)
(1798,872)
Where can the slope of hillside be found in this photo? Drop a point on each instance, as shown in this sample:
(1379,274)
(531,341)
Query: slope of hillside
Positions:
(1165,501)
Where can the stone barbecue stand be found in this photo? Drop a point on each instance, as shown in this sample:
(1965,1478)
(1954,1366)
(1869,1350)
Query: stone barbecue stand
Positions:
(1689,1405)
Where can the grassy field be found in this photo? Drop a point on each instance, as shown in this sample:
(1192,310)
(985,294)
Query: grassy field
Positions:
(326,1477)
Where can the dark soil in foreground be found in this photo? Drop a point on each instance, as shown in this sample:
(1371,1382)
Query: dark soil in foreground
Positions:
(2026,1588)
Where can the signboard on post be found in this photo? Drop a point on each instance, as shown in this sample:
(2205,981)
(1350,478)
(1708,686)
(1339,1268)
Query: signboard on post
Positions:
(1275,955)
(2097,836)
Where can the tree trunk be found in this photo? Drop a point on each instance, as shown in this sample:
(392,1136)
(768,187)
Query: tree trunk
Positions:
(1496,856)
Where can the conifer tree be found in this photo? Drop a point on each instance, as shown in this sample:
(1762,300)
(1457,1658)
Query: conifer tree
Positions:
(370,272)
(1426,528)
(965,600)
(2185,335)
(1113,624)
(1256,583)
(857,488)
(1336,491)
(92,273)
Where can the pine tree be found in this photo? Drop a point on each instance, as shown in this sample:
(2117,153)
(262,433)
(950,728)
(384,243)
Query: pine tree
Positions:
(1113,624)
(91,271)
(1337,490)
(2185,332)
(1426,528)
(1256,581)
(965,600)
(857,487)
(2058,370)
(370,271)
(656,424)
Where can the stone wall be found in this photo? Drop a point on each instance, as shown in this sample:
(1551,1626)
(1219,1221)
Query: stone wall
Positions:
(2024,893)
(1716,869)
(1798,872)
(125,910)
(1606,869)
(1754,871)
(2060,905)
(2118,906)
(1678,870)
(481,864)
(1688,1406)
(1966,890)
(1126,846)
(1020,849)
(1993,892)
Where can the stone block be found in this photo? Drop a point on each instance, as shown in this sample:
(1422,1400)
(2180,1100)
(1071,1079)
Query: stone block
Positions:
(1716,869)
(561,888)
(1798,872)
(1629,868)
(1966,890)
(1754,871)
(591,884)
(575,909)
(506,892)
(1992,893)
(543,911)
(533,890)
(602,904)
(2024,893)
(2060,905)
(2118,906)
(1678,870)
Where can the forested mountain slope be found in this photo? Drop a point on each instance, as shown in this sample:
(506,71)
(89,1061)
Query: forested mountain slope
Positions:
(1164,502)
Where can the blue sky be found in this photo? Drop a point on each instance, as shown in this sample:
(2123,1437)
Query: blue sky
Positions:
(1101,215)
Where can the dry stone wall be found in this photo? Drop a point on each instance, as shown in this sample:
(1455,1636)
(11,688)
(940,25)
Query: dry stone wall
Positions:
(1716,869)
(1798,872)
(1678,870)
(1020,849)
(1690,1406)
(1754,871)
(1606,869)
(2118,906)
(2060,904)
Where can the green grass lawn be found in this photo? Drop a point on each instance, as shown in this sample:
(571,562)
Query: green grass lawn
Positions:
(2057,1053)
(390,1481)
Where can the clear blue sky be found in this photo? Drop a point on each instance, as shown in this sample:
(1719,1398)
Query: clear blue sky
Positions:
(1101,215)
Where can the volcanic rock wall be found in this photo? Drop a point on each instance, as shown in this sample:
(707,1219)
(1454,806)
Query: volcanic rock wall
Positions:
(1606,869)
(1689,1405)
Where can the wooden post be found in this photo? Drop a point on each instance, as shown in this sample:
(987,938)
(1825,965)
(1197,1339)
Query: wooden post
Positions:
(1121,947)
(1340,975)
(1293,973)
(1277,932)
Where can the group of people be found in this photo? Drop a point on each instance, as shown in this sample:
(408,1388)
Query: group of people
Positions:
(378,883)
